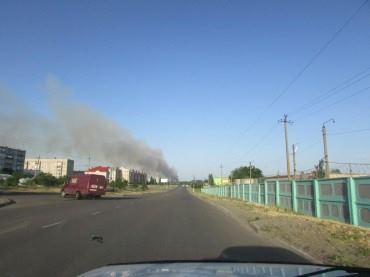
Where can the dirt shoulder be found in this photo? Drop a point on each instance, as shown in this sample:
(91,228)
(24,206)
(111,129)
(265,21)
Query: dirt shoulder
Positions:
(328,242)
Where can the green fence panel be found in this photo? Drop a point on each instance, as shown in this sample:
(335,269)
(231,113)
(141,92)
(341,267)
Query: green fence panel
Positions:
(255,193)
(362,193)
(342,199)
(271,192)
(305,197)
(333,198)
(285,194)
(261,193)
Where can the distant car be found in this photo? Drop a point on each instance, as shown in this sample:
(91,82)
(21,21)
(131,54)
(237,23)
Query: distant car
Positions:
(88,185)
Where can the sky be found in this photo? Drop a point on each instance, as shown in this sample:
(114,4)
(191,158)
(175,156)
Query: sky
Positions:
(198,79)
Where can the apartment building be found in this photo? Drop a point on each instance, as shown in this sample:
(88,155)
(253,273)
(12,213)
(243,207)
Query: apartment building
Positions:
(56,167)
(115,174)
(133,176)
(11,159)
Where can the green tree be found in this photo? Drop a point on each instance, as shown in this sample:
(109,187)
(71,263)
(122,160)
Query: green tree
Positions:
(211,182)
(336,170)
(319,169)
(244,172)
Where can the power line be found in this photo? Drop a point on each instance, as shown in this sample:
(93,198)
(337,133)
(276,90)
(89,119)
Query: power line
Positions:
(318,53)
(350,163)
(336,102)
(349,132)
(338,88)
(304,69)
(260,141)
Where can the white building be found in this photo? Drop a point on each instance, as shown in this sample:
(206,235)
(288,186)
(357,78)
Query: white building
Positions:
(55,167)
(115,174)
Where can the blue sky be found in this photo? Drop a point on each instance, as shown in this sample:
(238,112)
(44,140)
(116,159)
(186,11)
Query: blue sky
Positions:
(190,77)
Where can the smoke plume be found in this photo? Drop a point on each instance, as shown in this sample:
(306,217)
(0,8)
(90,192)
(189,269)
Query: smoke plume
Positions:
(75,128)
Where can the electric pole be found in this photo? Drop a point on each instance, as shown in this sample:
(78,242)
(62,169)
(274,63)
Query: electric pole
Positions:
(38,168)
(326,156)
(294,163)
(89,162)
(250,173)
(286,121)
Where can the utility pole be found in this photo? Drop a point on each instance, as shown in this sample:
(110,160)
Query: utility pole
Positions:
(38,166)
(250,173)
(221,167)
(294,163)
(326,156)
(286,121)
(89,161)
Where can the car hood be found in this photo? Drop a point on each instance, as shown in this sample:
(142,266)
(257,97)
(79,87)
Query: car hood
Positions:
(209,269)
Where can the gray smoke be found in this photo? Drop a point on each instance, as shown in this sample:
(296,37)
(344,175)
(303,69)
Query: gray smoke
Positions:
(75,128)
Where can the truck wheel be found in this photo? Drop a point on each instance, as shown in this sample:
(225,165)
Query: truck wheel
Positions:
(63,194)
(78,195)
(97,196)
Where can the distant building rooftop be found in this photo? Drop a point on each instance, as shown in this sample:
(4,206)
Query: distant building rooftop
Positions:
(99,168)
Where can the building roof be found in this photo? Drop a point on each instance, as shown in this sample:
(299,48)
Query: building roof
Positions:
(99,168)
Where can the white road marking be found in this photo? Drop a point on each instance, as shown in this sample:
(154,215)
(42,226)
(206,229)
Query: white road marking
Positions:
(95,213)
(53,224)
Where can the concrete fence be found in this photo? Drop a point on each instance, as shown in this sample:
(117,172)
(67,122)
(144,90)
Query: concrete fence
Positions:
(342,199)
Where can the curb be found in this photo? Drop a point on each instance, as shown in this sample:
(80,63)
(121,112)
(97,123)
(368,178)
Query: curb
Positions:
(8,202)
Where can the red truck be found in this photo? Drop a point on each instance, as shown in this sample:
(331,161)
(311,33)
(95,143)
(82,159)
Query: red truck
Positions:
(89,185)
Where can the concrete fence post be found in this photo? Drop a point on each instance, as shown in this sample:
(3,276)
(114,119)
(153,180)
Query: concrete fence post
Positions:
(277,193)
(294,196)
(250,192)
(316,197)
(259,194)
(266,191)
(243,189)
(352,201)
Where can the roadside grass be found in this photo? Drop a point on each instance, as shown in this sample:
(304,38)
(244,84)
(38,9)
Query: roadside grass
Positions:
(328,242)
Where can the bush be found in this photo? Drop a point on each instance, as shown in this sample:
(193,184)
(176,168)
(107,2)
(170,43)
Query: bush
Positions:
(45,179)
(144,187)
(118,184)
(11,181)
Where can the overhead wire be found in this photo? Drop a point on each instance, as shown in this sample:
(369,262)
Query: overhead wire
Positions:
(349,132)
(303,70)
(335,103)
(333,91)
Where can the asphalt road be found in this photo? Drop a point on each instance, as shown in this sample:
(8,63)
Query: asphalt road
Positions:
(44,235)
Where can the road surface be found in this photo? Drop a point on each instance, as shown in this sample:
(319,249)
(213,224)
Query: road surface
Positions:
(44,235)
